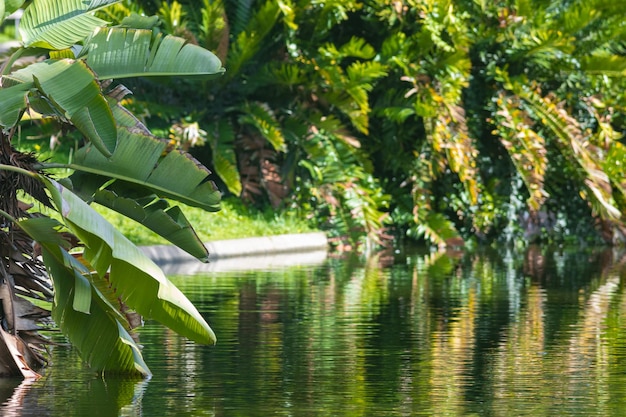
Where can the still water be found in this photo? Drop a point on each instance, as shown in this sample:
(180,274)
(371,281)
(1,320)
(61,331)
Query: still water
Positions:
(538,333)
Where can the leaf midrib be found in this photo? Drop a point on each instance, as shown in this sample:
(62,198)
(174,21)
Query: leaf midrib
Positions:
(133,180)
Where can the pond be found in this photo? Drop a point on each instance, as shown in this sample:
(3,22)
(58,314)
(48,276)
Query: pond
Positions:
(538,333)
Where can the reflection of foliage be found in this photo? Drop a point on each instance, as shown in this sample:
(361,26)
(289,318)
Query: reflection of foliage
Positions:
(406,339)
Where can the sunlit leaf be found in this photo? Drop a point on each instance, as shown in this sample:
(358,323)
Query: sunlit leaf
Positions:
(99,336)
(156,215)
(140,283)
(70,87)
(59,24)
(139,160)
(91,323)
(122,52)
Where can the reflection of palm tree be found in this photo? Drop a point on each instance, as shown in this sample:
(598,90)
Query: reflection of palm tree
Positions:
(13,404)
(587,350)
(452,353)
(519,367)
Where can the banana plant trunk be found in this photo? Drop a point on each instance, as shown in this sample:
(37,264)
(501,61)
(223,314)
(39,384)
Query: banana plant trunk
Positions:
(21,275)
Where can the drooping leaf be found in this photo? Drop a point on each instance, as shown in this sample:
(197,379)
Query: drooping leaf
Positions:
(101,339)
(121,52)
(91,323)
(156,215)
(145,162)
(70,87)
(139,282)
(60,24)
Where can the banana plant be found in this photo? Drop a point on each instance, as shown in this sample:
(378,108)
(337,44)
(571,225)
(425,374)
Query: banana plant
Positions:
(95,279)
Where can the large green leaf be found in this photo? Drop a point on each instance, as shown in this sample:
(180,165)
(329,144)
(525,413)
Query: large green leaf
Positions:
(81,311)
(71,89)
(12,103)
(121,52)
(156,215)
(145,162)
(59,24)
(138,281)
(98,334)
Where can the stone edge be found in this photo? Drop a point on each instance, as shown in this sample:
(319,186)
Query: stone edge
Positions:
(246,247)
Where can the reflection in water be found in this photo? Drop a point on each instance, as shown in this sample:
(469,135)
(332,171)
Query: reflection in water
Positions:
(15,392)
(83,395)
(443,334)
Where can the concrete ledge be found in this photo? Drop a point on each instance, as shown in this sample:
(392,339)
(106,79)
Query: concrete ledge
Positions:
(262,247)
(266,262)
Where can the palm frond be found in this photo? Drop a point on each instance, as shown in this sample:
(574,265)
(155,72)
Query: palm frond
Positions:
(221,138)
(525,147)
(575,147)
(248,41)
(263,119)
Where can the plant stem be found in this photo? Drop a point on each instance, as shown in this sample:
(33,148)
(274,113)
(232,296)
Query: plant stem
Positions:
(19,170)
(7,216)
(9,64)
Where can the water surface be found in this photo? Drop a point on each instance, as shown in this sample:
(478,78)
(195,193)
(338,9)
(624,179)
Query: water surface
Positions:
(538,333)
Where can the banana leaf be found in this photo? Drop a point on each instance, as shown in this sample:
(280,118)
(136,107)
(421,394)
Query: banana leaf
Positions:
(97,333)
(70,88)
(12,102)
(59,24)
(156,215)
(145,162)
(121,52)
(82,313)
(138,281)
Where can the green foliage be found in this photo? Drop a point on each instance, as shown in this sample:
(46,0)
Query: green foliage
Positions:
(469,116)
(99,276)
